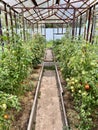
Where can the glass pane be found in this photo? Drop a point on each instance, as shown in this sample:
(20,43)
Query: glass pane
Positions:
(11,2)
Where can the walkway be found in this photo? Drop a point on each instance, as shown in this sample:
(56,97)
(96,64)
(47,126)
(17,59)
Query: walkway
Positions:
(48,115)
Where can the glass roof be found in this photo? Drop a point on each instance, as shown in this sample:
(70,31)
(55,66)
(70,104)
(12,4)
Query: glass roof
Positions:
(41,10)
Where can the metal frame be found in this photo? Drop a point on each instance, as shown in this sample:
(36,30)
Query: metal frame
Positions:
(67,12)
(0,25)
(38,7)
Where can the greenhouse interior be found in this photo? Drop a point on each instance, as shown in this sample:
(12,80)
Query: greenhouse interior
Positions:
(49,65)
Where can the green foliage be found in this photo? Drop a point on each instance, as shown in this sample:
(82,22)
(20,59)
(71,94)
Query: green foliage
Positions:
(37,49)
(78,61)
(18,56)
(16,59)
(49,44)
(7,102)
(38,38)
(13,68)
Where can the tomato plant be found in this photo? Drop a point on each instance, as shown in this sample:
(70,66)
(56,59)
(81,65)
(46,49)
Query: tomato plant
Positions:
(37,49)
(15,61)
(79,67)
(7,102)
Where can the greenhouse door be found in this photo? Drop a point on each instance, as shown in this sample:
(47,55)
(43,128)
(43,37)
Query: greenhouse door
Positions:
(49,34)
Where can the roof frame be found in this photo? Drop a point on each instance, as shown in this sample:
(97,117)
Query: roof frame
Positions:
(34,2)
(27,10)
(52,7)
(57,1)
(19,3)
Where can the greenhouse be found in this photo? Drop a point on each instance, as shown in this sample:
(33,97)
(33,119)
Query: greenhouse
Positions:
(49,65)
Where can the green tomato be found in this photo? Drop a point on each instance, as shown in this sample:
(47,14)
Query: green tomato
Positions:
(72,87)
(79,91)
(73,90)
(76,81)
(83,72)
(4,106)
(93,64)
(73,83)
(73,79)
(67,79)
(84,94)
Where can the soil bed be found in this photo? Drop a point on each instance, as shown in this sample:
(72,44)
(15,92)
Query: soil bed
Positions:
(20,121)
